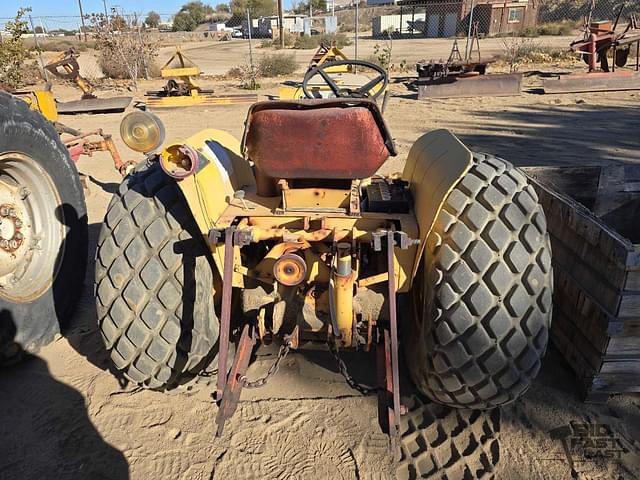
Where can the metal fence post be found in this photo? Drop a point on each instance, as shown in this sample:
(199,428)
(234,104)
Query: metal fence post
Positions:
(466,50)
(357,27)
(249,27)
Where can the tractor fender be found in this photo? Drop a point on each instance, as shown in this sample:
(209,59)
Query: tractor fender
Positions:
(220,172)
(436,162)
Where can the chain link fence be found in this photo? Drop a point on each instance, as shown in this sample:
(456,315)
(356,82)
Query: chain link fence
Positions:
(558,22)
(494,18)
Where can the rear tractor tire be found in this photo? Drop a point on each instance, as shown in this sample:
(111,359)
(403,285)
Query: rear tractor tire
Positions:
(43,231)
(485,290)
(154,283)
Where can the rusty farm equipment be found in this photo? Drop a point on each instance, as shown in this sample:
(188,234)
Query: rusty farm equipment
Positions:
(183,90)
(65,66)
(291,236)
(607,53)
(460,77)
(77,142)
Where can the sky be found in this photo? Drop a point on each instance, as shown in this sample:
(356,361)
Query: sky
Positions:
(8,8)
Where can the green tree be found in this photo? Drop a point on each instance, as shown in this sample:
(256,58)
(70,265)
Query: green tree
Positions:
(222,8)
(197,10)
(152,20)
(259,8)
(183,22)
(13,52)
(303,7)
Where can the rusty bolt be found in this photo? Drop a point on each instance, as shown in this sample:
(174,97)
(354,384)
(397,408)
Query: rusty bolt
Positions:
(4,211)
(18,236)
(4,243)
(18,223)
(13,244)
(12,213)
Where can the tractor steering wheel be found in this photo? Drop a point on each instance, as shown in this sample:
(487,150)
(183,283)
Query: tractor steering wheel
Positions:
(348,92)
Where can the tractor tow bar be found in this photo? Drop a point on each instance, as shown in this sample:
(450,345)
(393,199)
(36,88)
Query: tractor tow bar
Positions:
(387,354)
(233,387)
(229,388)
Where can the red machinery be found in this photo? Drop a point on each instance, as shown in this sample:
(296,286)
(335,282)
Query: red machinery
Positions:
(599,42)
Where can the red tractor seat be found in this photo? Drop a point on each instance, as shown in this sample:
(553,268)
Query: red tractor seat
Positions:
(317,139)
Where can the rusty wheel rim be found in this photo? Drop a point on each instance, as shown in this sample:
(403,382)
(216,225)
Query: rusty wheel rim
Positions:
(32,228)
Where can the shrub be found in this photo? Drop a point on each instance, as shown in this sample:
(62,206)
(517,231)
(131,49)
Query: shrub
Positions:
(518,51)
(13,52)
(277,64)
(127,53)
(556,28)
(247,75)
(308,42)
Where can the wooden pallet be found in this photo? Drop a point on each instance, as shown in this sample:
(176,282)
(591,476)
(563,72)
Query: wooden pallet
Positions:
(596,258)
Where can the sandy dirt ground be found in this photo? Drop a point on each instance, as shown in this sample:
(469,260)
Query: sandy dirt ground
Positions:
(65,415)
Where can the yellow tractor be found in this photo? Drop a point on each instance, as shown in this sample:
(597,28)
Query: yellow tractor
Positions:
(290,235)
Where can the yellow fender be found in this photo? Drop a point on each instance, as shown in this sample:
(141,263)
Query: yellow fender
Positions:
(220,172)
(436,163)
(42,101)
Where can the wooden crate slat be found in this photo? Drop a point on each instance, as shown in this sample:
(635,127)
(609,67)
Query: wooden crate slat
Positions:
(563,211)
(577,340)
(631,366)
(621,346)
(584,312)
(629,305)
(632,283)
(590,280)
(615,383)
(596,321)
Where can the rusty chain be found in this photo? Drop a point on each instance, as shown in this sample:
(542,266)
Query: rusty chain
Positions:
(342,367)
(273,369)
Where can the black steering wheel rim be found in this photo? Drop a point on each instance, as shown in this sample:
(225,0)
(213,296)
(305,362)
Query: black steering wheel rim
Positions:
(361,92)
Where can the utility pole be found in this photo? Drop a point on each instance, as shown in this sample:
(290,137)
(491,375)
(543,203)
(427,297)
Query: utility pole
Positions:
(281,23)
(82,19)
(106,13)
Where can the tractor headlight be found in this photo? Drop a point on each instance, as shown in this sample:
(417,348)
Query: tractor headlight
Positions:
(142,131)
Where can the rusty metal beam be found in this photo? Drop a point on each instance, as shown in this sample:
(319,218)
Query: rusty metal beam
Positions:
(592,82)
(497,85)
(394,420)
(225,317)
(233,387)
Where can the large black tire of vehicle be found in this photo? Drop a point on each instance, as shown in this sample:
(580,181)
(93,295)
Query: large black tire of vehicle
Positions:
(485,290)
(154,283)
(439,442)
(34,322)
